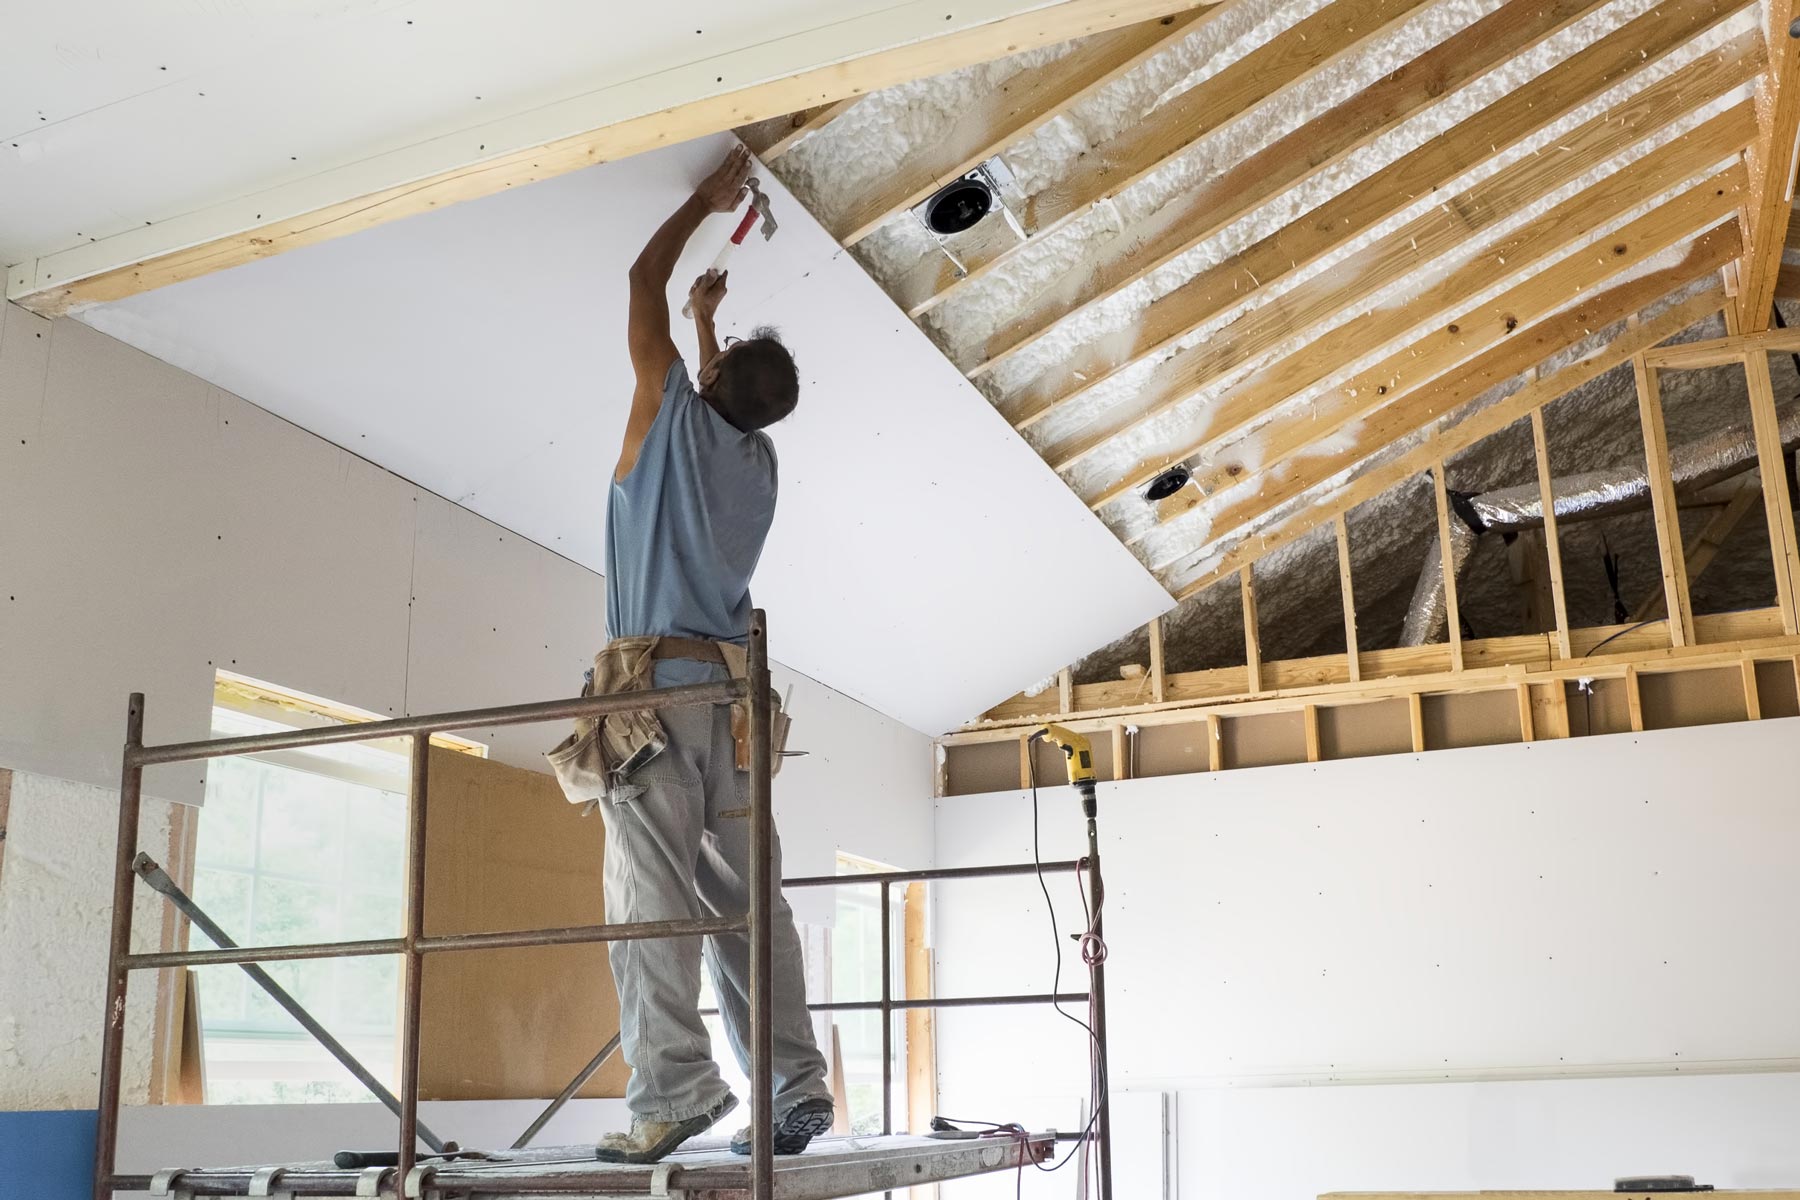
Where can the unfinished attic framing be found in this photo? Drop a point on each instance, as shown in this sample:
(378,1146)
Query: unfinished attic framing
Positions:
(1330,308)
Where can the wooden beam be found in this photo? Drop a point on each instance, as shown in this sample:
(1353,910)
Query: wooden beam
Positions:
(1707,544)
(1771,160)
(1197,215)
(1252,640)
(1552,545)
(1527,728)
(1752,699)
(1567,328)
(1458,330)
(1494,665)
(1215,743)
(1446,228)
(1309,725)
(1722,352)
(1157,671)
(921,1033)
(771,139)
(1030,98)
(1415,720)
(1065,690)
(1772,465)
(1025,769)
(1347,595)
(231,234)
(1452,610)
(1121,751)
(1663,509)
(1558,694)
(1634,700)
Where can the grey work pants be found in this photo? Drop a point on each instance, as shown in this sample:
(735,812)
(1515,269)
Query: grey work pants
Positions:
(681,849)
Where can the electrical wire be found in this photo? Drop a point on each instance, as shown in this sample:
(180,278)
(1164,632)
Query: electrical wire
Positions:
(1098,1081)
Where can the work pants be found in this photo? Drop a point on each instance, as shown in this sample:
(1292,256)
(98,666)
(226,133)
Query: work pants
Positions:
(680,848)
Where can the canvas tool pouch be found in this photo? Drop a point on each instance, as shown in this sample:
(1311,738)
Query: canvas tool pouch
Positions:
(597,760)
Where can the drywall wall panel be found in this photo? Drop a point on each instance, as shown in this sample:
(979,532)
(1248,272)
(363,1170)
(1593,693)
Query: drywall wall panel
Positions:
(1593,905)
(1731,1131)
(479,351)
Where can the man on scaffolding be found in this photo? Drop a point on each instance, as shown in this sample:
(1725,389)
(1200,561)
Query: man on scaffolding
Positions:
(691,503)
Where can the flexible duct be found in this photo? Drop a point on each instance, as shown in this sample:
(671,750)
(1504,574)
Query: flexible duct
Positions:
(1692,466)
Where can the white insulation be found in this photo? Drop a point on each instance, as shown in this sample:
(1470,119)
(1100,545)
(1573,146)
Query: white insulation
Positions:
(830,168)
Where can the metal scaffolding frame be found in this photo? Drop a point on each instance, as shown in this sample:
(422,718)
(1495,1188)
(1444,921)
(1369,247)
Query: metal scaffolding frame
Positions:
(413,945)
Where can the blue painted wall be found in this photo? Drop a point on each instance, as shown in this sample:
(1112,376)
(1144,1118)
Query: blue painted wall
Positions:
(47,1155)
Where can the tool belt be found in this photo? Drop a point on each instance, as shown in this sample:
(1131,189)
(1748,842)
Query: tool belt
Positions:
(596,761)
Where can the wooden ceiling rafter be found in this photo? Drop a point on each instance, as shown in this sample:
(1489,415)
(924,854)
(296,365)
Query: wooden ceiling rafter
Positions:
(1247,185)
(1029,99)
(1772,164)
(1322,143)
(1700,207)
(1456,332)
(1710,251)
(1426,170)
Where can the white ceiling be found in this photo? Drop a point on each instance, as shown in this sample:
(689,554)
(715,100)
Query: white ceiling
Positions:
(924,560)
(133,127)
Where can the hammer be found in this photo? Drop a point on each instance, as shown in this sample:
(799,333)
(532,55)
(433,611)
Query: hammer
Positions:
(759,207)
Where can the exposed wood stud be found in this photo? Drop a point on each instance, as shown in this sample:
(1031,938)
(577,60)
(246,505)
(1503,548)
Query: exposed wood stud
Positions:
(1415,717)
(1722,352)
(1527,728)
(921,1024)
(1221,288)
(1025,775)
(1459,324)
(1634,699)
(1030,98)
(1279,486)
(1252,640)
(1663,508)
(1309,722)
(1065,691)
(1707,544)
(1215,743)
(1752,701)
(772,139)
(1771,159)
(1348,595)
(1772,465)
(1158,675)
(1452,610)
(1121,751)
(1559,708)
(1552,545)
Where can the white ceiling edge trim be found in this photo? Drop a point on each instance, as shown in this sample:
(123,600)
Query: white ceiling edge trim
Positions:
(616,101)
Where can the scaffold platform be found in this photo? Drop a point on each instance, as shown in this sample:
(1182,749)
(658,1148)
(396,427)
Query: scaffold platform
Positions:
(830,1168)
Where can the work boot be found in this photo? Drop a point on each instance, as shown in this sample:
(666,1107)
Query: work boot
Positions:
(651,1139)
(794,1129)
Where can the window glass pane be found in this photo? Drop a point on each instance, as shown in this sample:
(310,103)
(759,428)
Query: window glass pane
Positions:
(289,853)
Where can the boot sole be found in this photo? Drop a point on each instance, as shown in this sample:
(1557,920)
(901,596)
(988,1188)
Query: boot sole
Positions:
(796,1131)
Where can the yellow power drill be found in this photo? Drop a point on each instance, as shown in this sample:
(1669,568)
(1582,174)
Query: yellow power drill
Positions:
(1079,753)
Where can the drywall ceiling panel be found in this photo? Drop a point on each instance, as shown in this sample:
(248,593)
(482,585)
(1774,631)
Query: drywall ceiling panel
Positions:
(923,560)
(162,123)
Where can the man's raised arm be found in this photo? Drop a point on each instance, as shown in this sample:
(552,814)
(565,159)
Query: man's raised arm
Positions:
(647,327)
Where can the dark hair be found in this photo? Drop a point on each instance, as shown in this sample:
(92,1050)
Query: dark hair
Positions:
(757,384)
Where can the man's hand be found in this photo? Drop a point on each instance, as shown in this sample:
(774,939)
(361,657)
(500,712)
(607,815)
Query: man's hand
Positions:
(724,189)
(706,293)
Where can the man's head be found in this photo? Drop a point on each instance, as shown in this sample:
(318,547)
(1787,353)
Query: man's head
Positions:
(752,383)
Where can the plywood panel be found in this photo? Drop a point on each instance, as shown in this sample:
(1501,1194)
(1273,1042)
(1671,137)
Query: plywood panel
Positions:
(504,850)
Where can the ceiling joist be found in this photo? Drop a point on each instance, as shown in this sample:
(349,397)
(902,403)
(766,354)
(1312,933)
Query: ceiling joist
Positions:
(1772,164)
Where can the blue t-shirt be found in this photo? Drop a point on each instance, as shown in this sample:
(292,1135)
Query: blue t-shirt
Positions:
(685,528)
